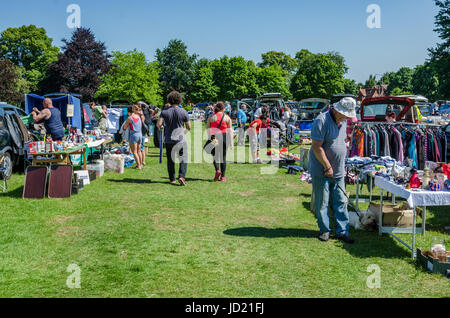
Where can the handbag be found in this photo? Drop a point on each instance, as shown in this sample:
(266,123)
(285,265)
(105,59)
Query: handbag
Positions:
(212,142)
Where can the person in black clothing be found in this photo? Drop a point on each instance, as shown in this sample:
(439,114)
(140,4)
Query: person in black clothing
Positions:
(174,119)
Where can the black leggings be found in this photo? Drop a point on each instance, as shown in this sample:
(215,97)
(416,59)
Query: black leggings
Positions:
(220,157)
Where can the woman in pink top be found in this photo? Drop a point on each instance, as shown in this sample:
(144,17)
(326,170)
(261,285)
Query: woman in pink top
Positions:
(219,125)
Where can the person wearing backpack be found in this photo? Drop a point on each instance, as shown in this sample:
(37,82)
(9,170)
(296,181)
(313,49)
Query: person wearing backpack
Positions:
(219,128)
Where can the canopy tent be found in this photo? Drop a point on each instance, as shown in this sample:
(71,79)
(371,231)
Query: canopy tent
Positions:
(60,102)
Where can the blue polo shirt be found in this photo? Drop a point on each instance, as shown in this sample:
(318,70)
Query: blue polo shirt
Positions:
(242,116)
(333,137)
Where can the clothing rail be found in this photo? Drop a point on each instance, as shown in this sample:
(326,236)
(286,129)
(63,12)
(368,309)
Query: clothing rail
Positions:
(396,123)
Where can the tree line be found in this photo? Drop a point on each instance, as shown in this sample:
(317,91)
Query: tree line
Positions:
(29,62)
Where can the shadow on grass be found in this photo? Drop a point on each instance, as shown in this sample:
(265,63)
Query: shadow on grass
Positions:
(16,193)
(139,181)
(271,233)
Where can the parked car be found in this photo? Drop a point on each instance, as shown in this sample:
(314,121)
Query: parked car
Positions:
(308,109)
(7,158)
(274,101)
(374,109)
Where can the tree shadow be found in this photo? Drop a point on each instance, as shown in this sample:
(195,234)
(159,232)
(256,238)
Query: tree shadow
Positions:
(16,193)
(271,233)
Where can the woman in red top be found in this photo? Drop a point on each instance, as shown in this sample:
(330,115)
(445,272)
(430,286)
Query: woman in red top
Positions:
(224,136)
(253,132)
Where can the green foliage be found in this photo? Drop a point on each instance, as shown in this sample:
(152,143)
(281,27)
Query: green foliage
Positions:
(132,78)
(350,87)
(402,79)
(440,55)
(385,78)
(12,84)
(203,86)
(29,47)
(176,67)
(398,91)
(319,75)
(273,58)
(425,81)
(235,77)
(371,82)
(272,79)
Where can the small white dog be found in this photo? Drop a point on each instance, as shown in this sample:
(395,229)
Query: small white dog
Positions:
(366,220)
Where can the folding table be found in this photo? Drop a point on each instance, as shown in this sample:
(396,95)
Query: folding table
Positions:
(414,198)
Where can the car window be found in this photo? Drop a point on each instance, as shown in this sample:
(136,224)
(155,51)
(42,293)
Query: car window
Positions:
(20,112)
(9,111)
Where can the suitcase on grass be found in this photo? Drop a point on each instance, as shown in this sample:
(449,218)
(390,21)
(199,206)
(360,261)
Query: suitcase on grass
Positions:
(60,181)
(35,182)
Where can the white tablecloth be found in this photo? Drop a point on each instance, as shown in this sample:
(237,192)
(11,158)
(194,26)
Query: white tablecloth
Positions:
(414,197)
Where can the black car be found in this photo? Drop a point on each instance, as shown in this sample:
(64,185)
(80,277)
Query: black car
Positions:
(8,159)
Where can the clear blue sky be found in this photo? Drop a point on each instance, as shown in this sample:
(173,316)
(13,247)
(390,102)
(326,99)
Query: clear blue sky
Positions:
(247,28)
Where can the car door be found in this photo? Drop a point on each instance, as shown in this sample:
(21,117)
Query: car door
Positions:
(4,134)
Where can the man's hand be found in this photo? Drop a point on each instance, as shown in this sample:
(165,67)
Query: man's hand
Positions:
(35,110)
(329,172)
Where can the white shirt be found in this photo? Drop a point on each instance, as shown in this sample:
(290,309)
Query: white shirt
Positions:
(258,113)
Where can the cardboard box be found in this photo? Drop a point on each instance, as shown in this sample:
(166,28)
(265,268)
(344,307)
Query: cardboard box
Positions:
(426,259)
(395,215)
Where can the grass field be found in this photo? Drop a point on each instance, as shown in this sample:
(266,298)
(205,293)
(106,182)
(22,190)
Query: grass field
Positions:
(136,235)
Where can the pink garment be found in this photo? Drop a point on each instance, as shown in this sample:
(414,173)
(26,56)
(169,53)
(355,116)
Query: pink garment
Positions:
(350,123)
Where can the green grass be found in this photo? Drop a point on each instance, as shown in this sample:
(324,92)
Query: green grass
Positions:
(135,235)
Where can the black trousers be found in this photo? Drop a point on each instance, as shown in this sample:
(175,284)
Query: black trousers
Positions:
(179,150)
(220,156)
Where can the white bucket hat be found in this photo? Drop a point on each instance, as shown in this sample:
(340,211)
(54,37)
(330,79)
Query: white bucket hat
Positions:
(346,107)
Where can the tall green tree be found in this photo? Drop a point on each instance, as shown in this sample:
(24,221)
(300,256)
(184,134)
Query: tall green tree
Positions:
(30,48)
(204,88)
(79,68)
(319,75)
(176,67)
(402,79)
(371,82)
(440,55)
(131,78)
(425,81)
(271,79)
(235,77)
(281,59)
(350,87)
(12,85)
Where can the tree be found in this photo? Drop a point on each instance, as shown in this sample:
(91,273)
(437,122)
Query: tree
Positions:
(273,58)
(203,88)
(235,77)
(319,75)
(425,81)
(272,79)
(440,55)
(12,85)
(385,78)
(371,82)
(401,79)
(80,66)
(350,87)
(398,91)
(30,48)
(131,78)
(176,67)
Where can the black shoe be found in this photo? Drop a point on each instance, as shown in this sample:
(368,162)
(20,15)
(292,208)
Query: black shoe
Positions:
(324,237)
(346,239)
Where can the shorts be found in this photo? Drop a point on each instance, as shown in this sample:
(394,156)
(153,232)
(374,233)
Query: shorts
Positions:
(135,138)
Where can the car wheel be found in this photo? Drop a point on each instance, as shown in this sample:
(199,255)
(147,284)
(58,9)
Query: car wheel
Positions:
(7,164)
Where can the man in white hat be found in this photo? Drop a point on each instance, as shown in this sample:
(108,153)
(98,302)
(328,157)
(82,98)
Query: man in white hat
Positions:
(327,167)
